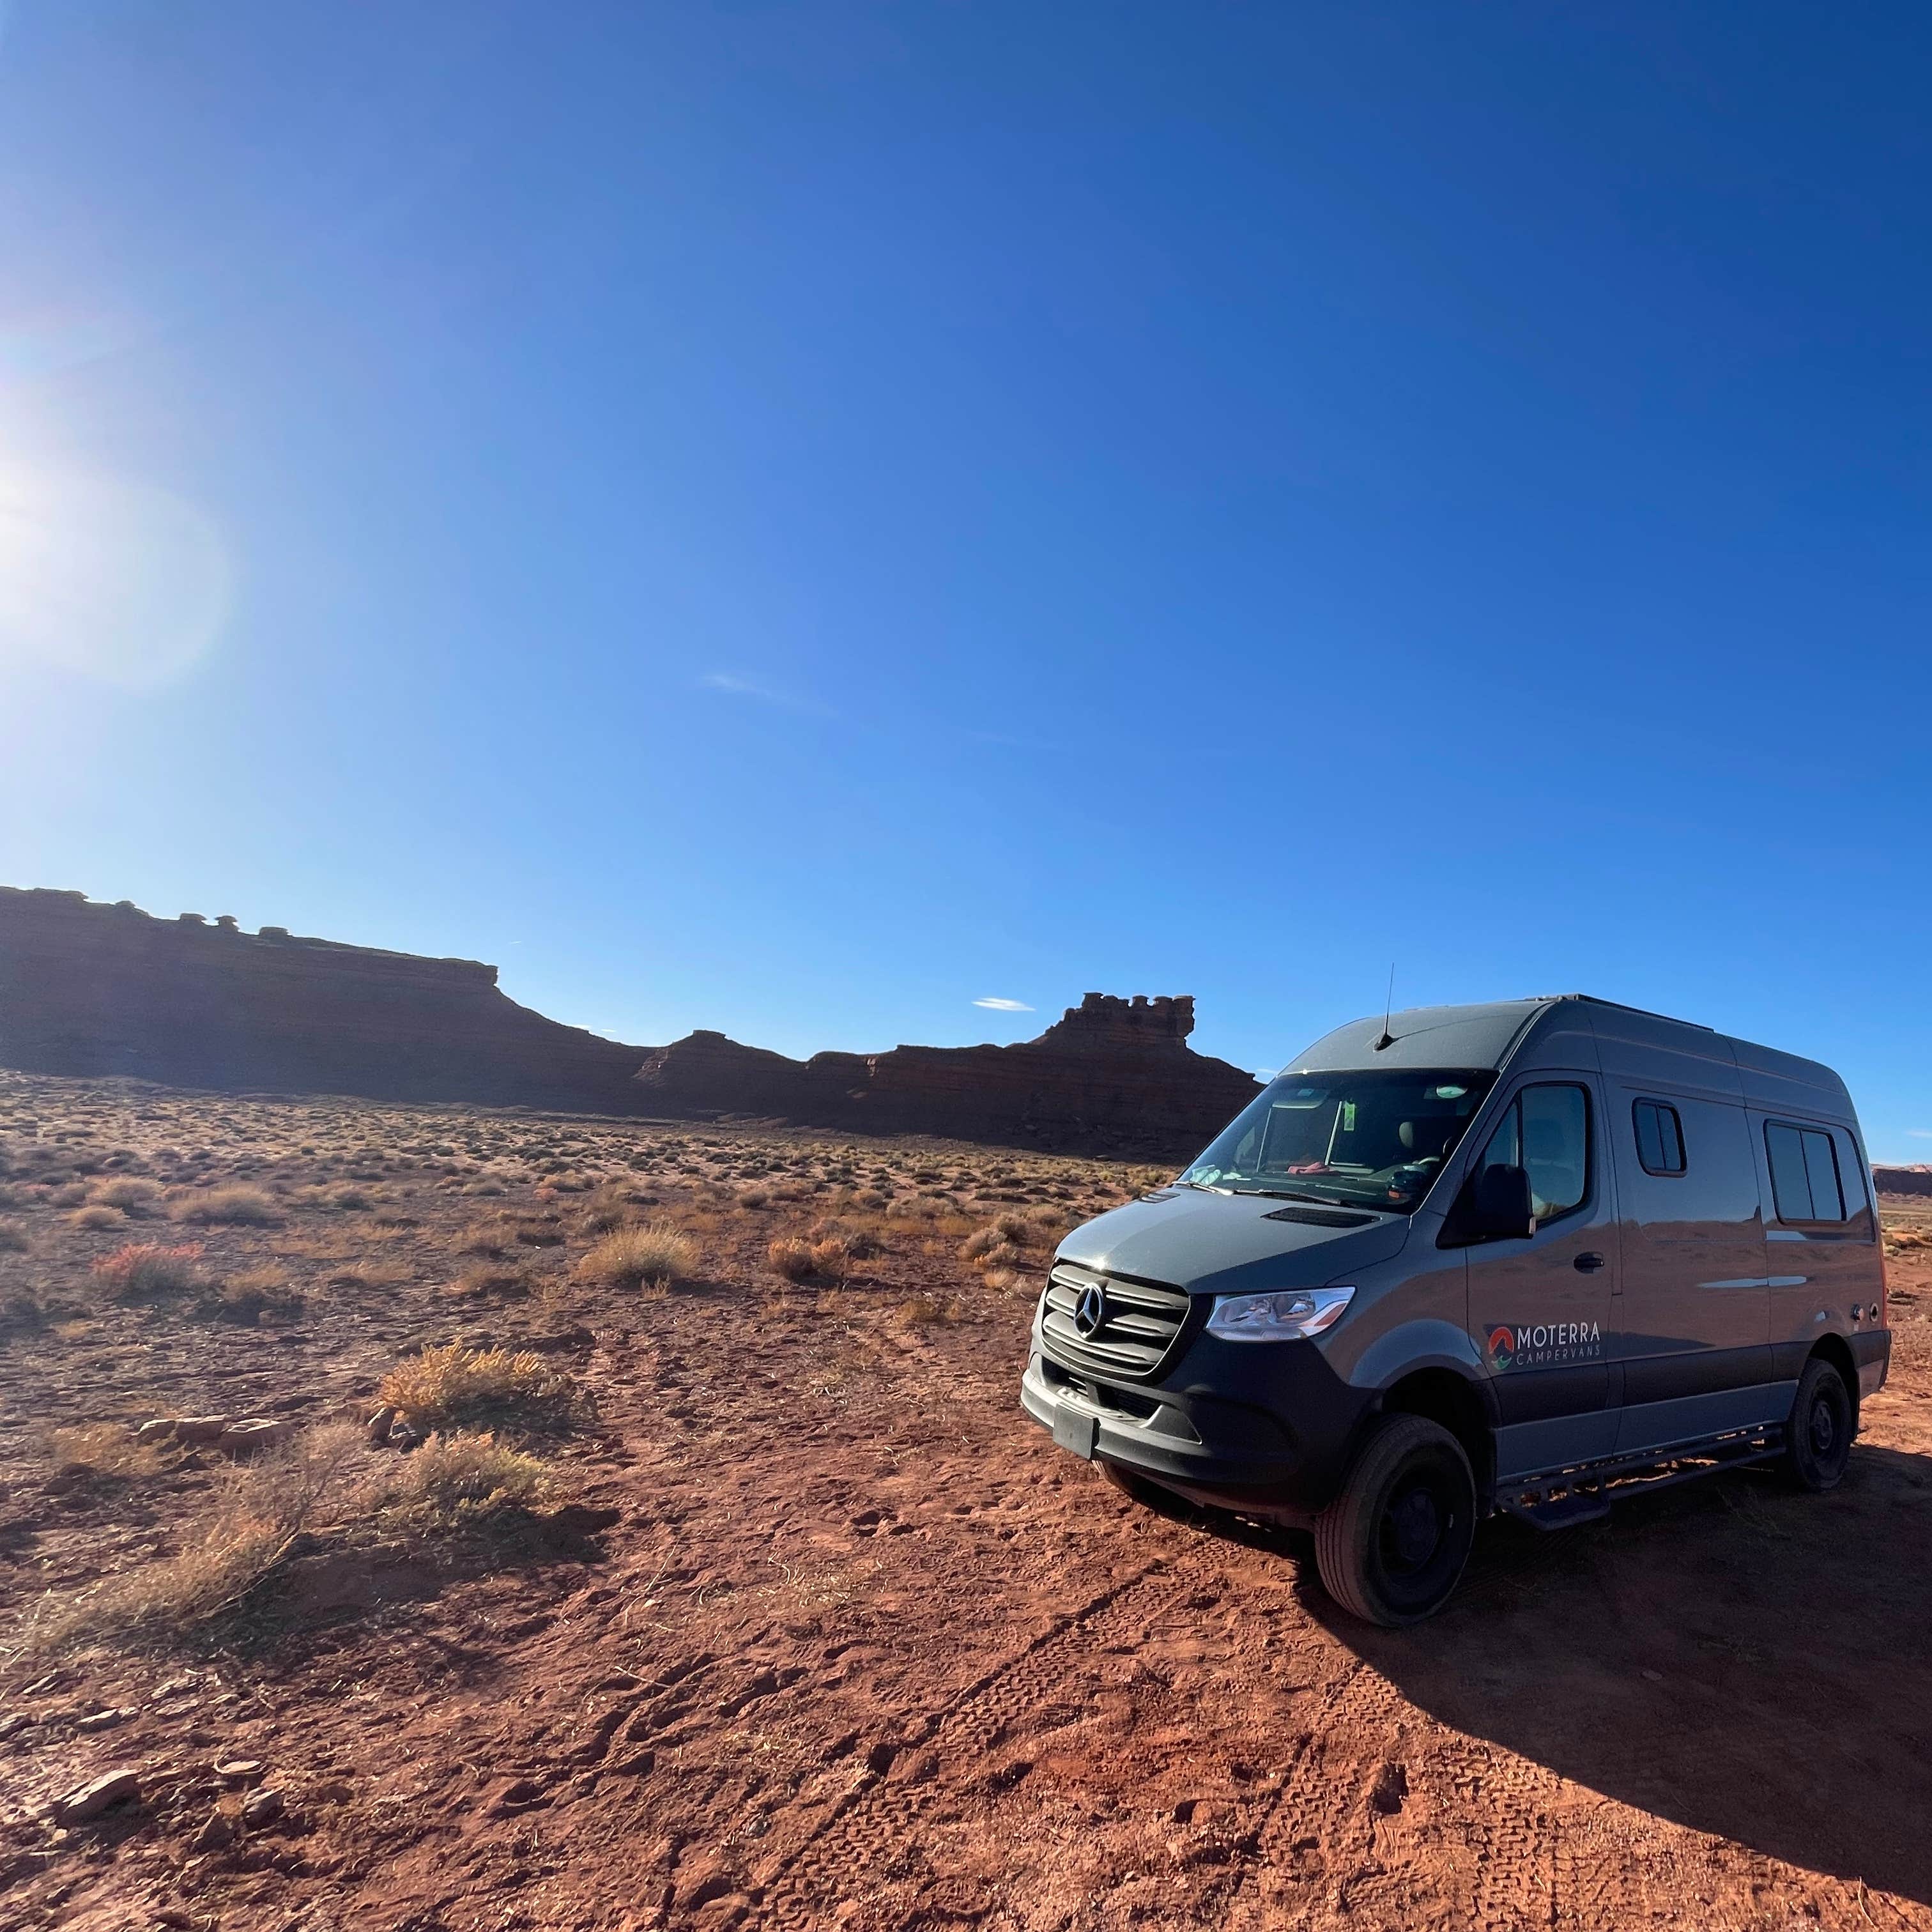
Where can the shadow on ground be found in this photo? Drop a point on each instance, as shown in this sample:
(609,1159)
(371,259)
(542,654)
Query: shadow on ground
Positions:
(1733,1656)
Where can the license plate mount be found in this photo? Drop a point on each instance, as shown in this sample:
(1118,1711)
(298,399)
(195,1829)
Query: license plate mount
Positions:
(1072,1429)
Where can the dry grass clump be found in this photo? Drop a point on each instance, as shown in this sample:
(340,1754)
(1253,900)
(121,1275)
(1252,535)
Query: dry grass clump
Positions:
(251,1525)
(862,1244)
(656,1253)
(755,1197)
(455,1480)
(13,1239)
(442,1388)
(102,1449)
(227,1207)
(994,1247)
(144,1271)
(923,1311)
(248,1296)
(833,1256)
(97,1219)
(790,1255)
(128,1192)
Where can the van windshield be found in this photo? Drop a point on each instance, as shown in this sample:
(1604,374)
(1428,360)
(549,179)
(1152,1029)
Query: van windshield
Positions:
(1372,1138)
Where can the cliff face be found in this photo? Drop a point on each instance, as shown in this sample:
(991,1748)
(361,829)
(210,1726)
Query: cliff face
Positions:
(1113,1074)
(89,990)
(1903,1180)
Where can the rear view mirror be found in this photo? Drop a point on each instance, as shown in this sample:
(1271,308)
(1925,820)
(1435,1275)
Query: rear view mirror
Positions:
(1499,1205)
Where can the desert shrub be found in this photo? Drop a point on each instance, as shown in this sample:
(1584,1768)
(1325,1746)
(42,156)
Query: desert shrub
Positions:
(493,1238)
(980,1243)
(755,1197)
(443,1388)
(96,1218)
(1014,1228)
(140,1270)
(861,1243)
(607,1211)
(832,1256)
(456,1479)
(104,1448)
(1000,1254)
(790,1255)
(485,1281)
(656,1252)
(347,1198)
(228,1207)
(248,1296)
(923,1312)
(130,1193)
(12,1238)
(69,1194)
(249,1525)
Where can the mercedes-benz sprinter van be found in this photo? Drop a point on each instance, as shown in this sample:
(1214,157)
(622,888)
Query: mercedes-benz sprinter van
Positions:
(1524,1257)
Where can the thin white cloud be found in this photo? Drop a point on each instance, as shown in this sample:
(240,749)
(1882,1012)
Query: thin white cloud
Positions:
(734,684)
(1918,1133)
(1004,1005)
(1266,1073)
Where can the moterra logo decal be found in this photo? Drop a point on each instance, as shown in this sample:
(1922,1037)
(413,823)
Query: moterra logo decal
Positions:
(1543,1345)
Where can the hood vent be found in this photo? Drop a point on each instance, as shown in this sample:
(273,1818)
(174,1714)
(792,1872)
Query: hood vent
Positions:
(1320,1217)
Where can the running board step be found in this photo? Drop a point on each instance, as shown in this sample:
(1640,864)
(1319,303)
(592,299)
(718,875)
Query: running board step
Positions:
(1562,1512)
(1562,1499)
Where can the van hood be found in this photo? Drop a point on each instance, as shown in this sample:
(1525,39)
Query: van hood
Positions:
(1229,1244)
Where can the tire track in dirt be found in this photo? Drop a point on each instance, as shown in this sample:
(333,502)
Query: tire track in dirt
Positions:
(1320,1823)
(876,1815)
(1324,1822)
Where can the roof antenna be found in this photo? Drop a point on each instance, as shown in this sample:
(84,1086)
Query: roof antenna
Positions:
(1387,1038)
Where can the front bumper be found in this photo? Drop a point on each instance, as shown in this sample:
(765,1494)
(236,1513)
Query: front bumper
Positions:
(1264,1427)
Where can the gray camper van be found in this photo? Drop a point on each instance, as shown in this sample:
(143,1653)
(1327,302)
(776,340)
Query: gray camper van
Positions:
(1524,1257)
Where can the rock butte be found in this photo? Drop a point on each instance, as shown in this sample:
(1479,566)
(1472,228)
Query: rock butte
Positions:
(95,990)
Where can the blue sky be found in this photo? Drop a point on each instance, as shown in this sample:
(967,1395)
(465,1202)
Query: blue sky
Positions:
(797,519)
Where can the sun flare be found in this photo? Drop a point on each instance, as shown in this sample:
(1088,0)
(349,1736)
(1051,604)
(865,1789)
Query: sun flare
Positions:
(118,581)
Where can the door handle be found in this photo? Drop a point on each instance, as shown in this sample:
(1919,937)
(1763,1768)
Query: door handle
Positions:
(1587,1263)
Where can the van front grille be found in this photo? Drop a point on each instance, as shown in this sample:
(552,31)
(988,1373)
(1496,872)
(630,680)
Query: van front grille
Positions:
(1109,1323)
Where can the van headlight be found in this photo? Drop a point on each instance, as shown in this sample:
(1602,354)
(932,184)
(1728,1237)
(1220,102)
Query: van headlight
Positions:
(1292,1315)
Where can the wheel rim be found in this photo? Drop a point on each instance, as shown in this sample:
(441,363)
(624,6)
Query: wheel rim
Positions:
(1824,1426)
(1413,1527)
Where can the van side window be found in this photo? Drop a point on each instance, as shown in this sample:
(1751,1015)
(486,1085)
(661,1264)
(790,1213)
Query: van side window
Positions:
(1804,1173)
(1659,1138)
(1547,1132)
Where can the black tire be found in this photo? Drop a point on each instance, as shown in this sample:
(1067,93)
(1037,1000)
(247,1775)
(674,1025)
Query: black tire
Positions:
(1818,1438)
(1390,1547)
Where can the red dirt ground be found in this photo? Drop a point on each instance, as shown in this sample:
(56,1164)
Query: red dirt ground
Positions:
(862,1649)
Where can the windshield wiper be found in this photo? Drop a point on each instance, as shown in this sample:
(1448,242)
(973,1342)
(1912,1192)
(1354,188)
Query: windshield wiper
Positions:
(1285,1194)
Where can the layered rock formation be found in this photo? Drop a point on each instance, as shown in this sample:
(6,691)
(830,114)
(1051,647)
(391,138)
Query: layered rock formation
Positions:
(1903,1180)
(90,990)
(1112,1074)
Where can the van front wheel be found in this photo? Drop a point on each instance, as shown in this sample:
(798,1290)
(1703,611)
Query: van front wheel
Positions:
(1391,1546)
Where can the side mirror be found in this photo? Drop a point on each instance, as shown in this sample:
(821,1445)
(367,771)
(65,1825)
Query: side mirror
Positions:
(1499,1204)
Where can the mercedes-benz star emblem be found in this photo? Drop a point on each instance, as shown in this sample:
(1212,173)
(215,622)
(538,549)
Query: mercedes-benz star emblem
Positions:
(1090,1311)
